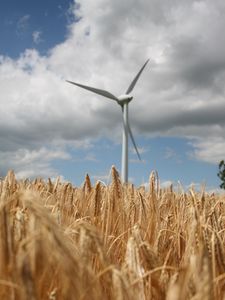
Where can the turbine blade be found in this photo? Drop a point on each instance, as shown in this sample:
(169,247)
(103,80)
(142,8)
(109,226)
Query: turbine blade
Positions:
(133,141)
(94,90)
(136,78)
(127,127)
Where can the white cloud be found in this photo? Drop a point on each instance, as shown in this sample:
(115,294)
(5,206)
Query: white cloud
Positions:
(169,153)
(22,24)
(141,150)
(91,157)
(196,186)
(104,178)
(209,150)
(200,187)
(163,184)
(30,163)
(137,161)
(36,35)
(181,92)
(172,154)
(166,184)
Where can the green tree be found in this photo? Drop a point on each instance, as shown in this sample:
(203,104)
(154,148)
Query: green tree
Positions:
(221,174)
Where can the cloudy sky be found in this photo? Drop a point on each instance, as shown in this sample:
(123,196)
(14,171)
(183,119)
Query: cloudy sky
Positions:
(49,127)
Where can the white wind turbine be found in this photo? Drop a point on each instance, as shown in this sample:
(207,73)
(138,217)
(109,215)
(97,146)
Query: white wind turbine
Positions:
(123,101)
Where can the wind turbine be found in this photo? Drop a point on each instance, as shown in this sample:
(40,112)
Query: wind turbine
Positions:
(123,101)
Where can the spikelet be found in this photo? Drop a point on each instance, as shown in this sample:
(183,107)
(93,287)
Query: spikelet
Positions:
(157,183)
(50,186)
(19,224)
(142,209)
(8,186)
(97,199)
(56,185)
(171,188)
(153,203)
(87,185)
(90,243)
(135,270)
(132,258)
(207,241)
(153,193)
(116,183)
(121,288)
(11,179)
(152,183)
(149,257)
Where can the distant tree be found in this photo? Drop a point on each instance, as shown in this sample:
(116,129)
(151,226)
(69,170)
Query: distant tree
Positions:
(221,174)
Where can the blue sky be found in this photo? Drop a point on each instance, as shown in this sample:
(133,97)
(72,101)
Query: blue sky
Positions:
(21,20)
(49,128)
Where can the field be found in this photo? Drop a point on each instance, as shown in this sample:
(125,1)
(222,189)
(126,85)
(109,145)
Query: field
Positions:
(118,242)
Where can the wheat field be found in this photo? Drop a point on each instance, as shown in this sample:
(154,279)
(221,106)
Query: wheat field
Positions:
(115,242)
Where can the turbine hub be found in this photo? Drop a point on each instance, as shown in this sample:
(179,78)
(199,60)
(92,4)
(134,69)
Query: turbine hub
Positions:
(124,99)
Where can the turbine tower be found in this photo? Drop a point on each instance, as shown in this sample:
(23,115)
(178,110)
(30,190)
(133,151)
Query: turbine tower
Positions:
(123,101)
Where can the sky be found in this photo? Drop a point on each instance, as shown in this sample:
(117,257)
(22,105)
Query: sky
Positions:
(50,128)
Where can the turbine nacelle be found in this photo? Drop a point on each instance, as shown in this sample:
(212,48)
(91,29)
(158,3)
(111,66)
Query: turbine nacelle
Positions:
(122,99)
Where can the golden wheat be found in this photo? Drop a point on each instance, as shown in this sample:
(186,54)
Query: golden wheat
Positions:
(60,242)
